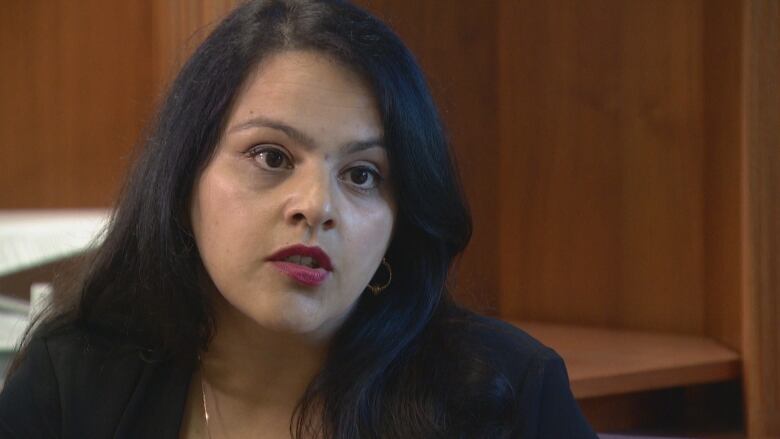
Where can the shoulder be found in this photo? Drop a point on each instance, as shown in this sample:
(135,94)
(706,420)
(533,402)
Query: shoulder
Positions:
(83,356)
(29,402)
(54,377)
(507,347)
(534,374)
(86,384)
(82,363)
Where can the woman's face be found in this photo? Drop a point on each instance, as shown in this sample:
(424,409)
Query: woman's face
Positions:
(294,212)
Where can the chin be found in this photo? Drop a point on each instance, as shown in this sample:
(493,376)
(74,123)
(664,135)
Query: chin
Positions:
(307,325)
(289,319)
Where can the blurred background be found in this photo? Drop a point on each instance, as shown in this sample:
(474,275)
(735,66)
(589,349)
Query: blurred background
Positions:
(621,158)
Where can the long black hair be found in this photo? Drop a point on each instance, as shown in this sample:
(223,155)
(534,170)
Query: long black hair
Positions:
(396,368)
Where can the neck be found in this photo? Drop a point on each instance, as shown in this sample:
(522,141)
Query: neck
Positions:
(253,368)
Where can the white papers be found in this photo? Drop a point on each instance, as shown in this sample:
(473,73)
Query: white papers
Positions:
(33,237)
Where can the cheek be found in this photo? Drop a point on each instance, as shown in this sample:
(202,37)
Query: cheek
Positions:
(368,238)
(208,226)
(223,223)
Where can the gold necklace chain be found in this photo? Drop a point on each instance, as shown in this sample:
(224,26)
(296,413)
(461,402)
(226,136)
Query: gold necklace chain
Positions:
(205,407)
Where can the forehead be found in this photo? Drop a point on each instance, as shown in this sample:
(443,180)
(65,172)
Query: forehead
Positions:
(306,87)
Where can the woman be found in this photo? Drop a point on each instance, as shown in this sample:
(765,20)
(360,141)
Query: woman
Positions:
(276,264)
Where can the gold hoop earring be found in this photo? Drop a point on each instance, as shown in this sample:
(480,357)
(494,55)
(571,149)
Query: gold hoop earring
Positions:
(378,289)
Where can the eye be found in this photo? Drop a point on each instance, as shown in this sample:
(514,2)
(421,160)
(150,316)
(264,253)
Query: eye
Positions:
(270,157)
(362,177)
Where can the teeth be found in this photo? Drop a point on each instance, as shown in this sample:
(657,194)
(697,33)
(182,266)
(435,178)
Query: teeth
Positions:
(303,260)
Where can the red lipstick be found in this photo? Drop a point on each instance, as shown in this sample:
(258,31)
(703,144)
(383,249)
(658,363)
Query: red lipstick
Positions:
(288,261)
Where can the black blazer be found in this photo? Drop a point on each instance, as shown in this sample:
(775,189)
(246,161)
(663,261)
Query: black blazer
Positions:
(75,385)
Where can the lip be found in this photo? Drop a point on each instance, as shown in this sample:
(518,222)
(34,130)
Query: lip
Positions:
(301,273)
(315,253)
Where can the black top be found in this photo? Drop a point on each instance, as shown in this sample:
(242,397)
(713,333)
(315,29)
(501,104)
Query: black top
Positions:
(75,385)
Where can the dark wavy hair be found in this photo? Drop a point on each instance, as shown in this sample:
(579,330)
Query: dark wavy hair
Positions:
(401,365)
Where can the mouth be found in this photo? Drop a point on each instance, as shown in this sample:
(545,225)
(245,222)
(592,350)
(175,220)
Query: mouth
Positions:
(311,257)
(309,266)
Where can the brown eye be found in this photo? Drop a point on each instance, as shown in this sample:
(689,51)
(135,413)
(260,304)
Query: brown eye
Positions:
(359,176)
(271,158)
(362,177)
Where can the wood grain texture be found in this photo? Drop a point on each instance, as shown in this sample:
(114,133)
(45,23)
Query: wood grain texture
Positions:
(762,217)
(76,88)
(456,47)
(601,163)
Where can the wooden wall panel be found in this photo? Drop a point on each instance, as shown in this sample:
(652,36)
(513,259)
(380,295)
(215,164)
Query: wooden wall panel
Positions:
(722,170)
(601,153)
(761,329)
(456,47)
(76,87)
(180,26)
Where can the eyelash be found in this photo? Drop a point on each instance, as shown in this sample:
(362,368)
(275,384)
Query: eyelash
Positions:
(254,152)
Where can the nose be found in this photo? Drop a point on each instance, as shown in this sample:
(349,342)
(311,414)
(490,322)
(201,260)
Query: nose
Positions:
(311,202)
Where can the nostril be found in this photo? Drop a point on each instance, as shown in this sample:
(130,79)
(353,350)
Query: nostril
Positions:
(313,220)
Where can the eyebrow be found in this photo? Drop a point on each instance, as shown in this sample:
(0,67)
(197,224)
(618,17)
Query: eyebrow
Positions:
(299,136)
